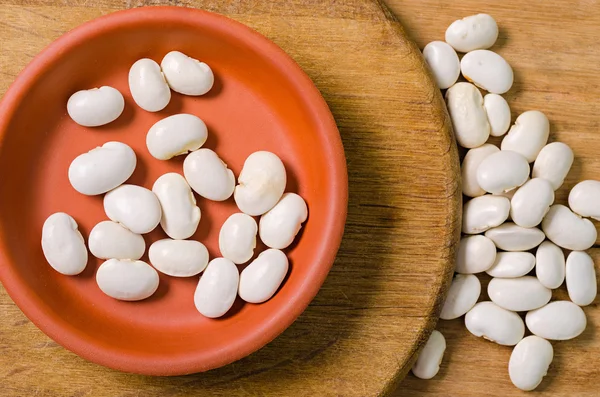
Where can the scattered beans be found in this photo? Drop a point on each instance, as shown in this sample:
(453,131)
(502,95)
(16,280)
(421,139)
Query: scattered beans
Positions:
(512,264)
(487,70)
(63,244)
(495,324)
(109,240)
(498,114)
(528,135)
(102,169)
(237,238)
(175,135)
(470,163)
(511,237)
(178,258)
(217,288)
(584,199)
(475,254)
(518,294)
(484,212)
(529,362)
(502,171)
(560,320)
(462,296)
(430,358)
(465,105)
(95,107)
(148,85)
(550,265)
(208,175)
(262,277)
(474,32)
(581,278)
(279,226)
(553,163)
(567,230)
(127,280)
(187,75)
(443,62)
(180,215)
(134,207)
(531,202)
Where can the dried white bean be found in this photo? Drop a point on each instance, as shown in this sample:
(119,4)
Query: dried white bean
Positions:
(465,105)
(175,135)
(260,184)
(511,237)
(462,296)
(553,163)
(495,324)
(95,107)
(217,288)
(472,33)
(180,215)
(470,163)
(487,70)
(529,362)
(475,254)
(208,175)
(63,244)
(498,114)
(148,86)
(512,264)
(502,171)
(550,265)
(584,199)
(484,212)
(127,280)
(443,62)
(430,358)
(237,238)
(278,226)
(262,277)
(560,320)
(518,294)
(528,135)
(566,229)
(134,207)
(178,258)
(581,278)
(102,169)
(110,240)
(531,202)
(187,75)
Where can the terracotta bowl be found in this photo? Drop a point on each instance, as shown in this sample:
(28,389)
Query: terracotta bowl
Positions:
(261,100)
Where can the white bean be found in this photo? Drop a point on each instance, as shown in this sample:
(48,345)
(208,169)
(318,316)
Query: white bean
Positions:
(148,86)
(567,230)
(262,277)
(484,212)
(178,258)
(237,238)
(175,135)
(443,62)
(475,254)
(102,169)
(581,278)
(63,244)
(472,33)
(487,70)
(134,207)
(560,320)
(584,199)
(462,296)
(553,163)
(498,114)
(469,166)
(187,75)
(512,264)
(528,135)
(260,184)
(465,105)
(495,324)
(550,265)
(127,280)
(180,215)
(529,362)
(217,288)
(95,107)
(208,175)
(531,202)
(511,237)
(110,240)
(518,294)
(430,358)
(279,226)
(502,171)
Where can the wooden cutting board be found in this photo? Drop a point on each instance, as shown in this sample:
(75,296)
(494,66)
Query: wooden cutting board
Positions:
(553,47)
(383,295)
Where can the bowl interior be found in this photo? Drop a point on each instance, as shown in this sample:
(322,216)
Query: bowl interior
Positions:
(261,100)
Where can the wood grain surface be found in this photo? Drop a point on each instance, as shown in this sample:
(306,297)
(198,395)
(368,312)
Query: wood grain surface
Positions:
(553,49)
(382,297)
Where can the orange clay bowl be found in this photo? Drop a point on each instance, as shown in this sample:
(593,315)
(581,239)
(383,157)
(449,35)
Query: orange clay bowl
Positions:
(261,100)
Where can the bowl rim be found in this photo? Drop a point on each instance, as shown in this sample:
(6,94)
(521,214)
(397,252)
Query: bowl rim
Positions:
(73,339)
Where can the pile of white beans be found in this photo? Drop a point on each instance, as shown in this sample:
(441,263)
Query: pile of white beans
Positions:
(511,226)
(134,210)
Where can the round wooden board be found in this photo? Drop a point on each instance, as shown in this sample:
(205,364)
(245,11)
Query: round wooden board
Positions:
(381,299)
